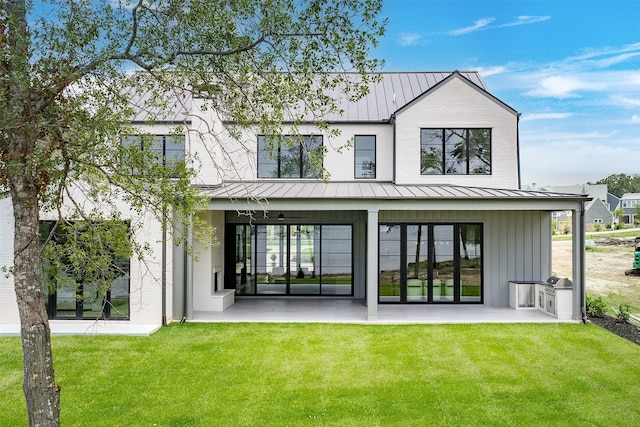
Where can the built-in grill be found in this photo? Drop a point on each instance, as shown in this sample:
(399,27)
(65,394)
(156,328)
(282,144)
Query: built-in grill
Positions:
(548,296)
(559,281)
(554,296)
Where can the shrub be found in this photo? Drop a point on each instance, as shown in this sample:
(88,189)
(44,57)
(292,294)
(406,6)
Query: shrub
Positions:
(597,227)
(624,313)
(596,307)
(566,229)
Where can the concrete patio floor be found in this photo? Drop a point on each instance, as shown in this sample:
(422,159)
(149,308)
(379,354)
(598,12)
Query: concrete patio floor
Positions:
(305,310)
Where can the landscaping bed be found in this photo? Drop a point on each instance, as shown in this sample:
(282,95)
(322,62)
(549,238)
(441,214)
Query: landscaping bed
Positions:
(624,330)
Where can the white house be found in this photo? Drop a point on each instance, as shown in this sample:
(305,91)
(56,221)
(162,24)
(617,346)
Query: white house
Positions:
(424,208)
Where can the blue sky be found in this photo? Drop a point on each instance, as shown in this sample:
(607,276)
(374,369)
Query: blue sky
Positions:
(571,68)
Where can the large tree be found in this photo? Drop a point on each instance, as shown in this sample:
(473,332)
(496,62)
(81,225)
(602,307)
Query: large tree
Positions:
(73,74)
(621,183)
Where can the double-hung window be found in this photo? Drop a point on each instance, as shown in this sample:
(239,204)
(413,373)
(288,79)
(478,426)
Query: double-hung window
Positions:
(455,151)
(290,156)
(365,156)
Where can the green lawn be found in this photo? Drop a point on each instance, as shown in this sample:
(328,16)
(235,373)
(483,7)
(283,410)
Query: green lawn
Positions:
(340,375)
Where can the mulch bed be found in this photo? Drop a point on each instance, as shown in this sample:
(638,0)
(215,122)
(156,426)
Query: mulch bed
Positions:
(625,330)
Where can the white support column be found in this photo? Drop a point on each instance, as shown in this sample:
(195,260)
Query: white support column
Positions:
(372,265)
(579,267)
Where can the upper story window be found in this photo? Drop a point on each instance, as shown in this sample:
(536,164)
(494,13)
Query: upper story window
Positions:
(168,150)
(365,156)
(290,156)
(455,151)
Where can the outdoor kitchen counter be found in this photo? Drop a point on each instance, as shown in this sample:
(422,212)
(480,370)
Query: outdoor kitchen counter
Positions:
(554,297)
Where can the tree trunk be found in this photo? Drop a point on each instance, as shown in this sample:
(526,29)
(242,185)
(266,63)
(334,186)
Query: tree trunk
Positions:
(24,180)
(40,390)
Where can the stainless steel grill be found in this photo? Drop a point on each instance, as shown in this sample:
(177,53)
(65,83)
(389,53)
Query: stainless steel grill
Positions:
(559,281)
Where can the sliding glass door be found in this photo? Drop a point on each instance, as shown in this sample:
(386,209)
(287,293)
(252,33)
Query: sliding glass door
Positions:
(293,259)
(430,263)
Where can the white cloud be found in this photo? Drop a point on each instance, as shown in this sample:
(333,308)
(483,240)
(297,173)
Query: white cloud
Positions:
(525,20)
(566,86)
(491,71)
(410,39)
(544,116)
(484,24)
(480,24)
(604,57)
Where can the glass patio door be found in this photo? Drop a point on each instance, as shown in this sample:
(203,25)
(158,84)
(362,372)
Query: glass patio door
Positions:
(292,259)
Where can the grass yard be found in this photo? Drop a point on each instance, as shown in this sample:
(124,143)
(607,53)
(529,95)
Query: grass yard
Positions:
(340,375)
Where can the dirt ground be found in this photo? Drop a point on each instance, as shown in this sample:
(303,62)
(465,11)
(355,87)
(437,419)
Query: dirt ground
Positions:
(605,267)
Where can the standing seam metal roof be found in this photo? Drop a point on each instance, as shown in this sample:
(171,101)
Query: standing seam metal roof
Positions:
(285,189)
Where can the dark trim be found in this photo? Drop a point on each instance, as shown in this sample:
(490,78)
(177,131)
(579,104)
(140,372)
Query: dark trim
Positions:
(466,160)
(230,264)
(457,287)
(375,156)
(301,156)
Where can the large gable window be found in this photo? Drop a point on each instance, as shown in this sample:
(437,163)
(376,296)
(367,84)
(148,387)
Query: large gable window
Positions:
(455,151)
(290,156)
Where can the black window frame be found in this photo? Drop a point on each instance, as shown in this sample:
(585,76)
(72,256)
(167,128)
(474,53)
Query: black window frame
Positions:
(355,157)
(105,312)
(250,231)
(403,274)
(161,158)
(274,149)
(467,159)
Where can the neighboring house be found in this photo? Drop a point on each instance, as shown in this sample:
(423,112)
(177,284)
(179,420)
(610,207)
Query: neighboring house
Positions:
(628,203)
(597,211)
(424,208)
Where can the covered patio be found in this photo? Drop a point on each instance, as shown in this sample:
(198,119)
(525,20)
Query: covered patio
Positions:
(330,310)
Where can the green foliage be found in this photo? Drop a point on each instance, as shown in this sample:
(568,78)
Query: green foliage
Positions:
(623,313)
(618,184)
(566,229)
(597,227)
(596,307)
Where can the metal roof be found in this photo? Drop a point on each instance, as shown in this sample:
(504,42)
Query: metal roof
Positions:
(393,91)
(311,189)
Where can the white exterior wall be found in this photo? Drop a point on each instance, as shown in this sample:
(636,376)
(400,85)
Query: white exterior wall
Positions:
(8,306)
(145,292)
(456,104)
(220,157)
(210,261)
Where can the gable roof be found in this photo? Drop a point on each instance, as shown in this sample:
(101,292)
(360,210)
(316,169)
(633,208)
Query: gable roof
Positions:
(457,74)
(393,92)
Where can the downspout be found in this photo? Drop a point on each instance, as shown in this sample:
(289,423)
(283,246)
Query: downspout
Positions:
(583,268)
(518,150)
(393,121)
(164,265)
(184,275)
